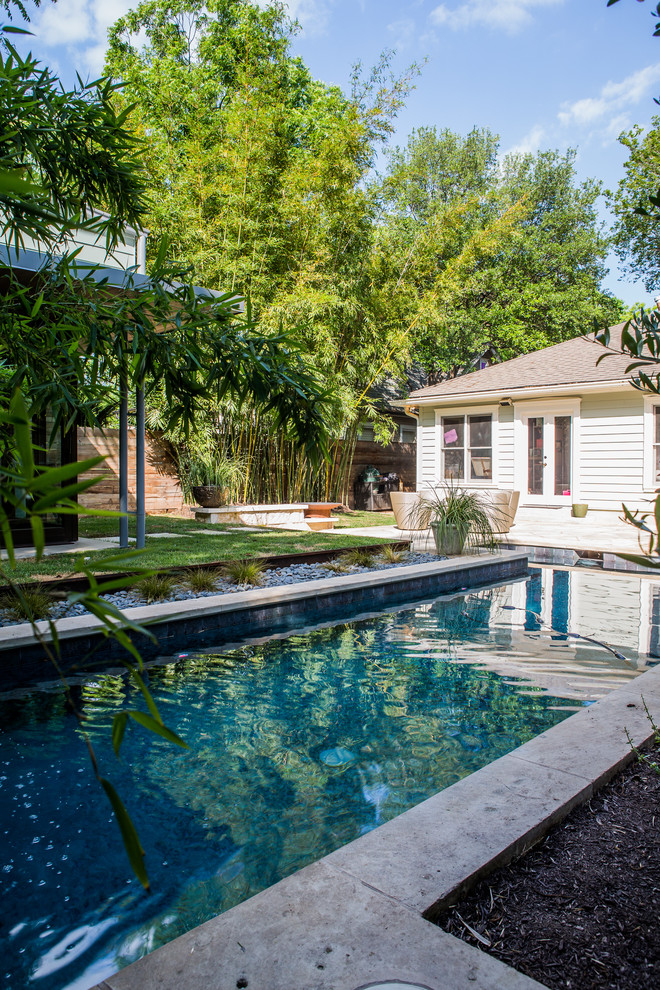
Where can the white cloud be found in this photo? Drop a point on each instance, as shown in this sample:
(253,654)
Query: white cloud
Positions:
(505,15)
(313,15)
(403,32)
(66,23)
(80,26)
(613,98)
(529,145)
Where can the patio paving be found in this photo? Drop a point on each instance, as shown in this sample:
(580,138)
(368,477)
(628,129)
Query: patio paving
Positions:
(82,546)
(603,532)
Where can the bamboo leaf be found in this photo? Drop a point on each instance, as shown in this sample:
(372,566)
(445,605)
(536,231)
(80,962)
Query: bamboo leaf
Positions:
(55,476)
(156,726)
(23,436)
(119,723)
(38,535)
(129,835)
(151,704)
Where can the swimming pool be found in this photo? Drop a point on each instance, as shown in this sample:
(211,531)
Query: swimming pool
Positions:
(298,746)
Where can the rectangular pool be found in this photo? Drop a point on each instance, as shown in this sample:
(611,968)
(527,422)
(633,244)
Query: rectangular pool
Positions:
(298,745)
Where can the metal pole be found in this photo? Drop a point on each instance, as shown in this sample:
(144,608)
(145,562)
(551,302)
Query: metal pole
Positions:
(123,460)
(140,512)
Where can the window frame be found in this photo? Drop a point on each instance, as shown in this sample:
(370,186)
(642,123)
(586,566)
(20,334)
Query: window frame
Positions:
(454,413)
(651,409)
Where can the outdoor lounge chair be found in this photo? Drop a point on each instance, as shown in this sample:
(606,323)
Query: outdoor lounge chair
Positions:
(409,513)
(504,506)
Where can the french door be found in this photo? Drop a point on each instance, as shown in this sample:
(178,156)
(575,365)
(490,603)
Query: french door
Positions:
(545,455)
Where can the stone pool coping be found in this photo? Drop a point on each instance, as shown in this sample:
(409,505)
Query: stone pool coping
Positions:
(361,915)
(215,619)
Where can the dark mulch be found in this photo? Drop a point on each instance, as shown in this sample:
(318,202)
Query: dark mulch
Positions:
(582,910)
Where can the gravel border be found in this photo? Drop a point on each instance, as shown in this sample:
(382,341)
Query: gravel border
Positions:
(273,577)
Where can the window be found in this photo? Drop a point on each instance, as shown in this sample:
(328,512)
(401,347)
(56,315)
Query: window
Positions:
(467,448)
(407,433)
(651,443)
(656,447)
(366,431)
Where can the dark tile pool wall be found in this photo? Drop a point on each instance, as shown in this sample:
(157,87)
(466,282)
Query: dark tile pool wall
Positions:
(21,666)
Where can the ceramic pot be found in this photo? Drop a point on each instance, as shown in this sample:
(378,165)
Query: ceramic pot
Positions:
(448,539)
(579,510)
(210,496)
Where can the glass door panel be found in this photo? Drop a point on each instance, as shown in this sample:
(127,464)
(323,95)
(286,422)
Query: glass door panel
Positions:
(535,455)
(562,455)
(546,459)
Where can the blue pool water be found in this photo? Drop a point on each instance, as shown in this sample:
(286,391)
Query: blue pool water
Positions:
(297,746)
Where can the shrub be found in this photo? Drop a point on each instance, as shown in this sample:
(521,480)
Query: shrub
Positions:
(358,557)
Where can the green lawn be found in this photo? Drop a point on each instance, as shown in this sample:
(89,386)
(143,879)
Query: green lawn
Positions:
(191,547)
(358,518)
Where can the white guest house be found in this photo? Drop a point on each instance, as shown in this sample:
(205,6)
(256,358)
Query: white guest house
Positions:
(554,425)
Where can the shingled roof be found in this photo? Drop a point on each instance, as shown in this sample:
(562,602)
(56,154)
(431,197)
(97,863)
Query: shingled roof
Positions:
(574,362)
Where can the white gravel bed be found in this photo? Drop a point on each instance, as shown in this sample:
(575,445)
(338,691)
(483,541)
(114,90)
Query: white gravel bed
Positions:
(273,577)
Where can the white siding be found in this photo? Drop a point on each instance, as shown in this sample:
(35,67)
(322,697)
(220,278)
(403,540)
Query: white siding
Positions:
(426,448)
(612,450)
(93,249)
(505,451)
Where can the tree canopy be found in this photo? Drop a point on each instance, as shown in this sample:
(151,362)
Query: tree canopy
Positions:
(636,234)
(488,253)
(68,160)
(263,178)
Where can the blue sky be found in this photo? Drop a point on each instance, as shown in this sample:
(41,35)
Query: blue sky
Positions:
(540,73)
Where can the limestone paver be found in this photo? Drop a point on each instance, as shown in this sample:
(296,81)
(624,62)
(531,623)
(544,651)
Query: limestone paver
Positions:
(317,930)
(594,742)
(454,837)
(600,531)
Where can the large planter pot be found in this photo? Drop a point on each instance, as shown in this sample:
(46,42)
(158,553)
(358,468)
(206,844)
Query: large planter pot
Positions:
(449,540)
(409,514)
(210,496)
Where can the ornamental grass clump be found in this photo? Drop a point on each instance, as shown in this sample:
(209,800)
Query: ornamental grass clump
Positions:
(460,520)
(244,572)
(203,579)
(156,587)
(391,556)
(358,557)
(336,566)
(28,602)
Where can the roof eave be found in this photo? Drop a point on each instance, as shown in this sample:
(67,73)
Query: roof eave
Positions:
(515,394)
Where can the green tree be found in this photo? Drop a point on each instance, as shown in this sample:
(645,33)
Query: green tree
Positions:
(636,234)
(482,255)
(258,174)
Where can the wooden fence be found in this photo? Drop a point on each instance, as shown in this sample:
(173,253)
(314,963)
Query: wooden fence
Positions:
(162,490)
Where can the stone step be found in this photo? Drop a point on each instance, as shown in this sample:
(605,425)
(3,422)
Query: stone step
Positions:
(320,522)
